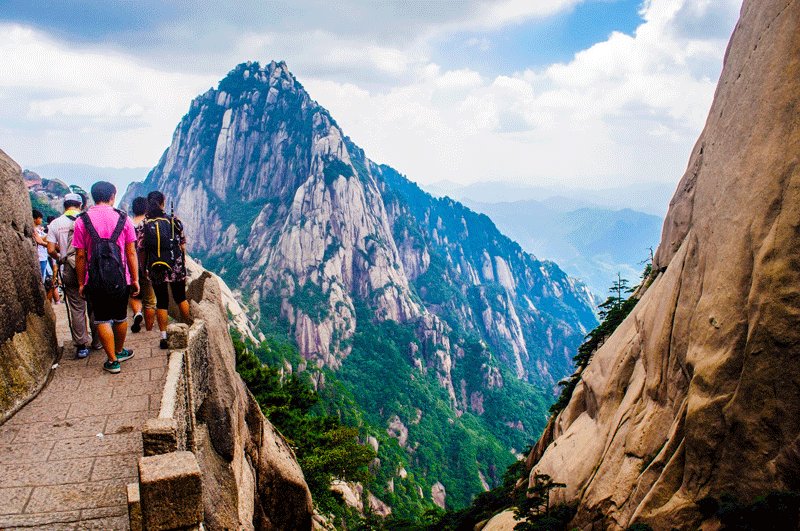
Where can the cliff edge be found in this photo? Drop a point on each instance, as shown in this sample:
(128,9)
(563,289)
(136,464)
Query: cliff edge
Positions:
(697,393)
(251,478)
(28,344)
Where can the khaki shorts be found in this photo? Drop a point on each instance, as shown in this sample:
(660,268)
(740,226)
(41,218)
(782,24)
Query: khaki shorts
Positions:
(146,293)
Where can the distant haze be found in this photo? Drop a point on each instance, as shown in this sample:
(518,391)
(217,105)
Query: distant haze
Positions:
(651,198)
(84,175)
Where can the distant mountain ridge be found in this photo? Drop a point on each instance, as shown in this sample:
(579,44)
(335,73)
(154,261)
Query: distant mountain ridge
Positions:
(650,198)
(590,243)
(416,317)
(84,175)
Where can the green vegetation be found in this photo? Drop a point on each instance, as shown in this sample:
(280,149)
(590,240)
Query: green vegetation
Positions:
(312,301)
(334,168)
(326,448)
(42,206)
(775,510)
(612,312)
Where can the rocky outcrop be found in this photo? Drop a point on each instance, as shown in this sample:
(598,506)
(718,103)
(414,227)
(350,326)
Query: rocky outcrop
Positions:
(251,478)
(326,247)
(277,199)
(697,393)
(28,345)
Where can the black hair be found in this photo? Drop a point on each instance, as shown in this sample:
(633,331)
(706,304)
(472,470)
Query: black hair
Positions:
(154,201)
(103,191)
(139,206)
(50,219)
(71,204)
(37,214)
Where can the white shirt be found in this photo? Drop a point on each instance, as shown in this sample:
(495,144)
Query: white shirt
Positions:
(41,249)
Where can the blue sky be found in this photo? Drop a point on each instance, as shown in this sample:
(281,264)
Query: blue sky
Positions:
(539,42)
(581,92)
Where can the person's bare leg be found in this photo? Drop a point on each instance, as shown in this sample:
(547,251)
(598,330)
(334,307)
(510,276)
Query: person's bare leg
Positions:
(149,318)
(184,308)
(120,331)
(163,318)
(107,339)
(136,305)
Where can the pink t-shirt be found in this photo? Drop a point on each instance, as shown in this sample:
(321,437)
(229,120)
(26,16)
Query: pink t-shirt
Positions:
(104,218)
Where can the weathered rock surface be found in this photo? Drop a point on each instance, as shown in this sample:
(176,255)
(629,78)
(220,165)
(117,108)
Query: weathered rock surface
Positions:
(279,201)
(697,393)
(28,343)
(325,244)
(251,478)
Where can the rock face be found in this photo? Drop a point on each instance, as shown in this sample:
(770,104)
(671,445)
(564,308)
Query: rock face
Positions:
(28,343)
(276,198)
(697,393)
(327,246)
(251,478)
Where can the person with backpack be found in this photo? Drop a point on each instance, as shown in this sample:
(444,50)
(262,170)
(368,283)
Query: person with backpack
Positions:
(163,245)
(107,268)
(60,248)
(146,298)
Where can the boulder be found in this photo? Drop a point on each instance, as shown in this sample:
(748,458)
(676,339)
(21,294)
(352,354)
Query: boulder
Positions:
(28,345)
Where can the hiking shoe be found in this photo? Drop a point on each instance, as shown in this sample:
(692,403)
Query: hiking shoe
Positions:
(137,323)
(124,355)
(81,352)
(96,346)
(163,344)
(111,366)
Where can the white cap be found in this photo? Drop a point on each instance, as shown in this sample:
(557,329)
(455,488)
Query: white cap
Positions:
(73,197)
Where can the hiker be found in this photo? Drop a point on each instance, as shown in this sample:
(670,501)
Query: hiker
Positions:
(163,245)
(146,297)
(107,267)
(41,245)
(52,281)
(60,248)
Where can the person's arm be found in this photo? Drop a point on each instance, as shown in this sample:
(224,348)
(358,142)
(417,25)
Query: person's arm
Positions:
(52,250)
(38,239)
(52,245)
(133,266)
(80,269)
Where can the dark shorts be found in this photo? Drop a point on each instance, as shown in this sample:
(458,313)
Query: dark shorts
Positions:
(108,308)
(162,296)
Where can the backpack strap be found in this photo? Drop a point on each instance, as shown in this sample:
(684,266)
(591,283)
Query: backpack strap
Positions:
(87,222)
(120,225)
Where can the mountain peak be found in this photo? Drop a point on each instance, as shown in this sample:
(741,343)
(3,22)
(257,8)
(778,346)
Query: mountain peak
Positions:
(252,75)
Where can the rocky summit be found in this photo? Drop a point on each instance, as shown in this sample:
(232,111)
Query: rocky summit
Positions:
(414,314)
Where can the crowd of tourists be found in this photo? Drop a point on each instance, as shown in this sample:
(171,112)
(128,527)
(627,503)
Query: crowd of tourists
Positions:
(104,261)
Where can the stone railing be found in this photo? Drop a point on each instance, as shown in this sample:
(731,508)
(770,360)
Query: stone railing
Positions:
(169,494)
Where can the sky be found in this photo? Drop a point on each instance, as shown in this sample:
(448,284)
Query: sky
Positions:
(586,93)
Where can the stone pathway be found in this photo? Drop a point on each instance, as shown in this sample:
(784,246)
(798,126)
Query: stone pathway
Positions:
(67,456)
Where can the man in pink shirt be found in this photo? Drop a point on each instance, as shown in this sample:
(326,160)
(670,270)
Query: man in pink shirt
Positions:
(116,259)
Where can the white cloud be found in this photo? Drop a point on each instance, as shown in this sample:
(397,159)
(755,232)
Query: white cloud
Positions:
(626,109)
(73,105)
(497,13)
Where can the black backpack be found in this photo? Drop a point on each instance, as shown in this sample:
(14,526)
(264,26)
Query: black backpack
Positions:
(161,245)
(106,265)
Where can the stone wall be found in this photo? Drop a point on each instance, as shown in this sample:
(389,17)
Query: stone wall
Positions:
(28,345)
(250,476)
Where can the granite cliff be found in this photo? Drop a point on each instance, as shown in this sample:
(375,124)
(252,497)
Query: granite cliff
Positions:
(370,277)
(697,394)
(27,332)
